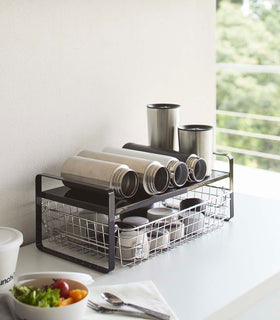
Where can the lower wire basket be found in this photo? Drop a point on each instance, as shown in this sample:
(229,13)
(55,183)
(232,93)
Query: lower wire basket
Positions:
(84,234)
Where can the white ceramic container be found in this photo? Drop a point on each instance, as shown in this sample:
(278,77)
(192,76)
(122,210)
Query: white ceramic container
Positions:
(176,230)
(136,221)
(161,213)
(101,219)
(132,245)
(193,221)
(159,239)
(10,241)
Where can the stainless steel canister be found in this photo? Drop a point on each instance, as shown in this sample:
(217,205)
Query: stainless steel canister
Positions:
(163,121)
(118,177)
(153,176)
(197,139)
(197,168)
(196,165)
(178,170)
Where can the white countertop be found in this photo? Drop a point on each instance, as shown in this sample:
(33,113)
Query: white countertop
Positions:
(201,276)
(262,302)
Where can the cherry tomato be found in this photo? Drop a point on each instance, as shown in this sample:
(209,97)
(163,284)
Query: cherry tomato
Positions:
(63,286)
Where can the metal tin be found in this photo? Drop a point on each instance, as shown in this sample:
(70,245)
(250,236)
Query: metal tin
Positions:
(163,120)
(197,139)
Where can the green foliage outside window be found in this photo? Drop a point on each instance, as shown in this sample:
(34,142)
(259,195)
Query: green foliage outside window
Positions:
(249,35)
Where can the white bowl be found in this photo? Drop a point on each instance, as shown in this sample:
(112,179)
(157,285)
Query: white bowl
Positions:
(71,312)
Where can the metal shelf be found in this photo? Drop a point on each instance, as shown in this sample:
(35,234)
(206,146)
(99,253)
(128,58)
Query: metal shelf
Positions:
(97,200)
(103,200)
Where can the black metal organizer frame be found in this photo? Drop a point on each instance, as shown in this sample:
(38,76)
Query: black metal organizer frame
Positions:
(103,200)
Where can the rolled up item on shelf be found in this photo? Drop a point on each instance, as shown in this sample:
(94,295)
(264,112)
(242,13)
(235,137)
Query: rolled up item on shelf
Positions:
(119,177)
(154,177)
(197,166)
(178,170)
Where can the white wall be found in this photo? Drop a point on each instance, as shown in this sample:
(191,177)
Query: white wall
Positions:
(79,73)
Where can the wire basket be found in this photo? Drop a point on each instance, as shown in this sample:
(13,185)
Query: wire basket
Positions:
(84,234)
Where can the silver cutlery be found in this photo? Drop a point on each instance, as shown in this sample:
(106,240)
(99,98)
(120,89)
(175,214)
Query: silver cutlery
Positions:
(116,301)
(98,308)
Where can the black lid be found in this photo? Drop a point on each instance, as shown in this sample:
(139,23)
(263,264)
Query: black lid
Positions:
(195,127)
(163,106)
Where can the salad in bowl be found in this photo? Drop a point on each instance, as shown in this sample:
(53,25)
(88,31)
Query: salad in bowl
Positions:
(50,298)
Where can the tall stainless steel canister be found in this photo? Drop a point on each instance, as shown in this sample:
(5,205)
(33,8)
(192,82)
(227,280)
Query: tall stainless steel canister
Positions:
(152,175)
(178,170)
(197,139)
(163,121)
(118,177)
(196,165)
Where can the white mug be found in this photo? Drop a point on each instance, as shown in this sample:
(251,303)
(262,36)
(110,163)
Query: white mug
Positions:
(176,230)
(159,239)
(132,244)
(10,241)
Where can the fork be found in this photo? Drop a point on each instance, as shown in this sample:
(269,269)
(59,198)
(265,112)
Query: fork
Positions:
(96,307)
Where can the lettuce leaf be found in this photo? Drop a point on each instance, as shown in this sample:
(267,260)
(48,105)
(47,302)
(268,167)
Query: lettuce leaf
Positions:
(37,297)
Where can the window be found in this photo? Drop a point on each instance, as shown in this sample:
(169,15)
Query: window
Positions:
(248,83)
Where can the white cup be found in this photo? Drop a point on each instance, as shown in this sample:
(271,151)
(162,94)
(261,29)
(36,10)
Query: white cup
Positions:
(193,221)
(101,221)
(159,239)
(132,245)
(10,241)
(136,221)
(176,230)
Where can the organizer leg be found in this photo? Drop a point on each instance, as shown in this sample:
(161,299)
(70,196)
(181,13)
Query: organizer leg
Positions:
(111,222)
(230,159)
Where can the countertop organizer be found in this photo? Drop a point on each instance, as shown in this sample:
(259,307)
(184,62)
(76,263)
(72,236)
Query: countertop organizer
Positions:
(84,226)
